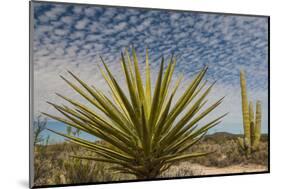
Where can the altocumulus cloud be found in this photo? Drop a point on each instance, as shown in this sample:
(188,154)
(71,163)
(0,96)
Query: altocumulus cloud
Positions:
(68,37)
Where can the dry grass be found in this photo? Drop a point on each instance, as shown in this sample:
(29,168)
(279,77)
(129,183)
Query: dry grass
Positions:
(182,170)
(53,164)
(227,152)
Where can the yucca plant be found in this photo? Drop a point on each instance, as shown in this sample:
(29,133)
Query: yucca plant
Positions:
(145,132)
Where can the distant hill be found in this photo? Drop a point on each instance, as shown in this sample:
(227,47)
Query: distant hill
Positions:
(228,136)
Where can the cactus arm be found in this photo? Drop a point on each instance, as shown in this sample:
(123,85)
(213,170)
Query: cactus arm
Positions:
(252,123)
(251,112)
(245,111)
(257,125)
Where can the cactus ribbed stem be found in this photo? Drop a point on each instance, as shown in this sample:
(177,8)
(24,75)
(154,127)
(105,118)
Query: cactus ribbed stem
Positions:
(245,110)
(252,123)
(257,125)
(251,112)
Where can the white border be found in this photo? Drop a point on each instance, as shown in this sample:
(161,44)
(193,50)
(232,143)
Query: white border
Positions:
(14,92)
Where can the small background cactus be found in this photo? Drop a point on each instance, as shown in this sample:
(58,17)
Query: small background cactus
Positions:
(251,122)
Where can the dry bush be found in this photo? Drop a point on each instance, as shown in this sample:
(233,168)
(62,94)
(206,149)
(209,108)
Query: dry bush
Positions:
(55,166)
(181,170)
(227,152)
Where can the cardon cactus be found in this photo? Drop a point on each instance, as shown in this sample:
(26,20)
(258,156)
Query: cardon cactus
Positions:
(251,122)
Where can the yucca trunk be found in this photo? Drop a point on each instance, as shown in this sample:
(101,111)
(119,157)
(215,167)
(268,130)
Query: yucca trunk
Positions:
(151,173)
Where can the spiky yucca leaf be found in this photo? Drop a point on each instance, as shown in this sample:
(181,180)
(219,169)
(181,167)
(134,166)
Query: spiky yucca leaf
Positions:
(147,131)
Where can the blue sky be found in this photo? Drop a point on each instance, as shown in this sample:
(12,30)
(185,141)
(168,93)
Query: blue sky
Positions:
(71,37)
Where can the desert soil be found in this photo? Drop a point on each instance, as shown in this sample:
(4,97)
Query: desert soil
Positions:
(185,169)
(230,169)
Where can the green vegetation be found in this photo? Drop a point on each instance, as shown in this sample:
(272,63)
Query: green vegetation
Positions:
(252,123)
(144,133)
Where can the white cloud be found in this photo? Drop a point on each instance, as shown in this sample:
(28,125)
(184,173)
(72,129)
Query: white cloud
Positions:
(54,13)
(67,19)
(120,26)
(225,43)
(78,9)
(81,24)
(61,32)
(90,12)
(175,16)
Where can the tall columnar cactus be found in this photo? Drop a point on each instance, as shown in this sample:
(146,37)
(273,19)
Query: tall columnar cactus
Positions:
(251,122)
(245,112)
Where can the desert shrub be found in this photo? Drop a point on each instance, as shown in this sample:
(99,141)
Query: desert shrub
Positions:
(41,164)
(181,170)
(79,171)
(227,153)
(39,125)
